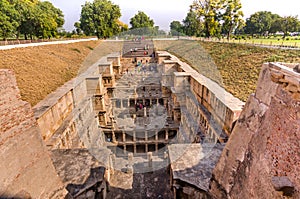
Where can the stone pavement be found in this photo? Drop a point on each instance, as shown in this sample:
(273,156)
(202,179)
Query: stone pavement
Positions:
(141,48)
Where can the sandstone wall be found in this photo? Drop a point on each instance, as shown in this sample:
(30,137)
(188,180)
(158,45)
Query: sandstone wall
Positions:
(261,158)
(26,169)
(205,106)
(68,117)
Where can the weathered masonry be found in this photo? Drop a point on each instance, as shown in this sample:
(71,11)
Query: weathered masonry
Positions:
(131,111)
(102,106)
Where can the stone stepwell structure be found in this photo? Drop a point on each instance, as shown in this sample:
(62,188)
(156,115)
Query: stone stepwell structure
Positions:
(138,114)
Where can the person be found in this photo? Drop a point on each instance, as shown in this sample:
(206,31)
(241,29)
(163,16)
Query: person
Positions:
(130,50)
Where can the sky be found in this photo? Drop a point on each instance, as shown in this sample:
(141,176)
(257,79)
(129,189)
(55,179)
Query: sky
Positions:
(163,12)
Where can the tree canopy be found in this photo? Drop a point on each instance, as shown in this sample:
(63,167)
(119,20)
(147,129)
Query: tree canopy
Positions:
(260,22)
(192,25)
(264,22)
(29,17)
(176,28)
(100,18)
(232,16)
(218,16)
(141,20)
(288,24)
(8,19)
(207,13)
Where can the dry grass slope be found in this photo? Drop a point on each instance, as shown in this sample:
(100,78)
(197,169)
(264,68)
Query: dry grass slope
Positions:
(41,70)
(234,66)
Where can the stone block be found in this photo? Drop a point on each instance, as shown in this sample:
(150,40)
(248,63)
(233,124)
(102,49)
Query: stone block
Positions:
(283,184)
(292,80)
(265,87)
(292,88)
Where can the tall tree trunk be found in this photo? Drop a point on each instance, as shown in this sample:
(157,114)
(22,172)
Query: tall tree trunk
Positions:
(207,33)
(229,32)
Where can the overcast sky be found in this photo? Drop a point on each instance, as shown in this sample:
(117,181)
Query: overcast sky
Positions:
(165,11)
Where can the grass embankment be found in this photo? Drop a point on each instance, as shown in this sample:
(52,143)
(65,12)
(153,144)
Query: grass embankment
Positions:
(293,42)
(234,66)
(41,70)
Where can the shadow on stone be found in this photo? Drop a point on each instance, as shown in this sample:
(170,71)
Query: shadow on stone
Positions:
(93,188)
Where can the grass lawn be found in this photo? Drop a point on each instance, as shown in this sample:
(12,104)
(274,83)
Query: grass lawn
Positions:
(289,41)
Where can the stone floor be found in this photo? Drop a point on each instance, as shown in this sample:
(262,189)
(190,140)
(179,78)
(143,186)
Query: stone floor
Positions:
(141,183)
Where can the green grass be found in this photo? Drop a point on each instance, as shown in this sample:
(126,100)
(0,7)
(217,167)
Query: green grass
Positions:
(278,41)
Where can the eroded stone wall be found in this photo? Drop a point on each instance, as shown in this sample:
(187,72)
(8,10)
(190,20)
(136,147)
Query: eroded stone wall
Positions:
(26,170)
(261,158)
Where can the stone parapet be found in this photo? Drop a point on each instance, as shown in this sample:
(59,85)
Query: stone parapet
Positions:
(69,113)
(223,108)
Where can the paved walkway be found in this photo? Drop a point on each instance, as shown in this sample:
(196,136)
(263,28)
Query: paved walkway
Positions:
(45,43)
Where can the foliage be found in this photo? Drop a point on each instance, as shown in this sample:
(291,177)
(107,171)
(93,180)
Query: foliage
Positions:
(47,19)
(192,25)
(289,24)
(122,26)
(29,17)
(207,12)
(261,23)
(8,19)
(217,16)
(264,22)
(141,20)
(232,16)
(100,18)
(77,28)
(176,28)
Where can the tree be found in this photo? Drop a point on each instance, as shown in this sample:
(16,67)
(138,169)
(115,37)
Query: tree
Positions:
(207,12)
(122,26)
(100,18)
(260,23)
(289,24)
(26,17)
(77,28)
(192,25)
(275,26)
(8,19)
(141,20)
(176,28)
(232,17)
(47,19)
